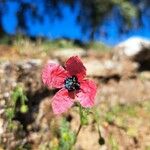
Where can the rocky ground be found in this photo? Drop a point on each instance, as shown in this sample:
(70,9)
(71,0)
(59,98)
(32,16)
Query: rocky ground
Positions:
(123,102)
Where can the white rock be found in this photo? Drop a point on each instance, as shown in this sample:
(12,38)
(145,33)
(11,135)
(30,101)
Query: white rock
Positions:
(2,111)
(6,94)
(133,46)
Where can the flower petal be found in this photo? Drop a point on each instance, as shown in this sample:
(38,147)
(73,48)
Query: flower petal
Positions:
(61,101)
(53,75)
(75,67)
(87,93)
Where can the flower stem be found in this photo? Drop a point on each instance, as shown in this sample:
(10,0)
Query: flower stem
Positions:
(101,139)
(81,124)
(78,130)
(76,135)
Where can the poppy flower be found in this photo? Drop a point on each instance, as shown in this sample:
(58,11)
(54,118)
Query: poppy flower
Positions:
(72,83)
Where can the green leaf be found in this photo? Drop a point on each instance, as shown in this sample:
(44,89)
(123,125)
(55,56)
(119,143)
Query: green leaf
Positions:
(10,113)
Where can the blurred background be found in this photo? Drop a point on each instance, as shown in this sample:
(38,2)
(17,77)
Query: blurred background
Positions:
(109,21)
(112,37)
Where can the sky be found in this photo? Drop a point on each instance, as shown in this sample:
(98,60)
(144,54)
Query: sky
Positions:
(67,27)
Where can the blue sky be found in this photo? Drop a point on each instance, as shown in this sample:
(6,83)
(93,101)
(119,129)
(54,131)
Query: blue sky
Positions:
(67,27)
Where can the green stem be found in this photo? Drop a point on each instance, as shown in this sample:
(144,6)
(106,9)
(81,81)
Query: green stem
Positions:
(81,124)
(99,131)
(101,139)
(79,128)
(78,131)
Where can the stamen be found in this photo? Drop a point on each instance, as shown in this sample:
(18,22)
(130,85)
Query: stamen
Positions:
(72,84)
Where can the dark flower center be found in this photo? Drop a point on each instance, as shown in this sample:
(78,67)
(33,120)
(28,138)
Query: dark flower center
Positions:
(72,84)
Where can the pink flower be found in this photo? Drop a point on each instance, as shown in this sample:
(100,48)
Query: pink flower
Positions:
(72,82)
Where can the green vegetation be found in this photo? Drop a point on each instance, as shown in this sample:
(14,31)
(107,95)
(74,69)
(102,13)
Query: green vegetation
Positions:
(119,113)
(26,46)
(98,46)
(58,44)
(67,137)
(113,143)
(84,112)
(18,97)
(48,45)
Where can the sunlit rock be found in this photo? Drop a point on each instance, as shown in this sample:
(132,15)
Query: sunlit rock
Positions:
(107,68)
(135,48)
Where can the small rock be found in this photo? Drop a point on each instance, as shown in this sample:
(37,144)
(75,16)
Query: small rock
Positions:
(6,94)
(24,65)
(1,71)
(35,62)
(2,111)
(1,126)
(5,64)
(2,103)
(34,137)
(14,84)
